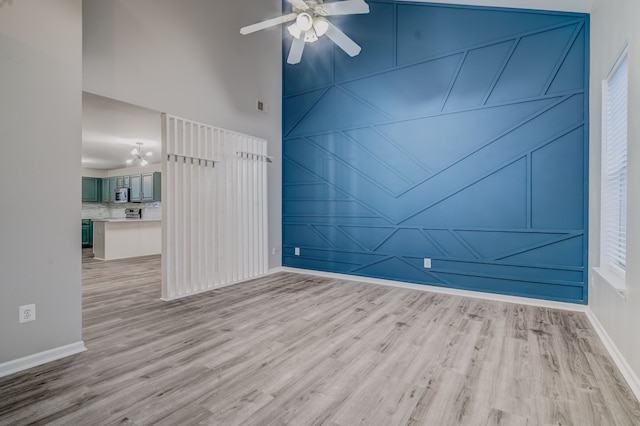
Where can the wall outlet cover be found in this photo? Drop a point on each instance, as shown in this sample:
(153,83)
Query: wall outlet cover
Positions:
(427,262)
(27,313)
(297,251)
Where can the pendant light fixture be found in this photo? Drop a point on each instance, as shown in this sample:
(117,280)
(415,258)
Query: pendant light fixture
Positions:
(137,155)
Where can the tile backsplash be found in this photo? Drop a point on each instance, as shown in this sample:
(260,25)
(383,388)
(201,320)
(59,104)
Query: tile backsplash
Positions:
(116,211)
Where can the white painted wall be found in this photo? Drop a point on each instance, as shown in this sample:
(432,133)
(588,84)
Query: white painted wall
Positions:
(613,22)
(40,122)
(149,168)
(187,58)
(97,173)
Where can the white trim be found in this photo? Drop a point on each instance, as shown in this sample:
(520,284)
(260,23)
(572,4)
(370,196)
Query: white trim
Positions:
(445,290)
(275,270)
(620,361)
(29,361)
(613,280)
(621,56)
(579,6)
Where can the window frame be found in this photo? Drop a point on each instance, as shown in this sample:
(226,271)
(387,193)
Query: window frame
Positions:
(614,157)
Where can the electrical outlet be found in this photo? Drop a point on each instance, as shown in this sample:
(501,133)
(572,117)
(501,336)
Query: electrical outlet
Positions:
(427,262)
(27,313)
(274,251)
(297,251)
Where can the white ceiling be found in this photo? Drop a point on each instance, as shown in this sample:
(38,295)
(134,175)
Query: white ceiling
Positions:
(582,6)
(110,130)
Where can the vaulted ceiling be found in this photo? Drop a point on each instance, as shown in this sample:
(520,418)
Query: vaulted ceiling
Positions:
(111,128)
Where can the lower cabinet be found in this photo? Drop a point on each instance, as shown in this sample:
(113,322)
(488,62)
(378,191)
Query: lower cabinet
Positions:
(87,233)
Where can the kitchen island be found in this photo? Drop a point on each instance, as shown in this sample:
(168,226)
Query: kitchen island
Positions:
(122,238)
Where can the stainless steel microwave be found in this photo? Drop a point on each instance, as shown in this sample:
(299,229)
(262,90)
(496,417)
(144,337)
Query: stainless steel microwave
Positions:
(121,195)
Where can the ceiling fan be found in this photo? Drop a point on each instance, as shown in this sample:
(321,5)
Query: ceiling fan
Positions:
(310,23)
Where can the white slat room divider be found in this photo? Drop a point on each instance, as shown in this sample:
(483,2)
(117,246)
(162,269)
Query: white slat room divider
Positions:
(214,207)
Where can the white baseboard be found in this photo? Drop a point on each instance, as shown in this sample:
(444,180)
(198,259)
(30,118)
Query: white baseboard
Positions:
(29,361)
(620,361)
(275,270)
(445,290)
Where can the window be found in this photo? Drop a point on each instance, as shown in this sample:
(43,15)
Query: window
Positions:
(613,208)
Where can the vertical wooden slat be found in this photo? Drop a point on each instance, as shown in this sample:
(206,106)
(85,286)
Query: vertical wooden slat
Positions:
(216,211)
(164,126)
(253,213)
(215,217)
(217,207)
(220,208)
(236,208)
(193,205)
(205,219)
(184,214)
(245,252)
(229,207)
(265,210)
(255,205)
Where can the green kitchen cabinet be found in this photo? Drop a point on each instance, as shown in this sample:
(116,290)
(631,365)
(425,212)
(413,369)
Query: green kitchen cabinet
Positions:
(122,182)
(108,189)
(87,233)
(90,189)
(145,187)
(151,189)
(135,191)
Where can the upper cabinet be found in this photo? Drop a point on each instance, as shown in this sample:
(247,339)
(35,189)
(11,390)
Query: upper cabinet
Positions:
(90,189)
(122,182)
(142,188)
(108,189)
(145,187)
(135,191)
(151,186)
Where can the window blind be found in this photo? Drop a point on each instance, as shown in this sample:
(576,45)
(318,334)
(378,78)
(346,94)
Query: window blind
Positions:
(614,170)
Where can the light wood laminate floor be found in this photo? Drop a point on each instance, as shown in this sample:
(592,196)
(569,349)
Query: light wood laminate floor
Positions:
(301,350)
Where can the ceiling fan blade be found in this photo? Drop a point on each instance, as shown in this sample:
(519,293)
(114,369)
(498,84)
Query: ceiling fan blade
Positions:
(268,23)
(345,43)
(295,53)
(347,7)
(300,4)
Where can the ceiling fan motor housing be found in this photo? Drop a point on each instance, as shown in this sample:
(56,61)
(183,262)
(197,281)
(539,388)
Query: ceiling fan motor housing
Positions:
(304,21)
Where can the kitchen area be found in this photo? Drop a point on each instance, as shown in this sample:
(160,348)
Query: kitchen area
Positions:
(121,180)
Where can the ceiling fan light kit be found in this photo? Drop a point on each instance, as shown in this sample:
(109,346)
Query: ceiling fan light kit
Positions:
(310,24)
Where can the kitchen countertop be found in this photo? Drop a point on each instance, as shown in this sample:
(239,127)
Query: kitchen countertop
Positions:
(125,220)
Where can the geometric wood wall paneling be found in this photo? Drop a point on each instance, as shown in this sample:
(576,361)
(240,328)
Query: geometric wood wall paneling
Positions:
(458,134)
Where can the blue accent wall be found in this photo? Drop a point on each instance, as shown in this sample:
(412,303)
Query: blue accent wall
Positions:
(458,134)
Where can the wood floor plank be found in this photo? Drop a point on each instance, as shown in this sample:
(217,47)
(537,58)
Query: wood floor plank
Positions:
(298,349)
